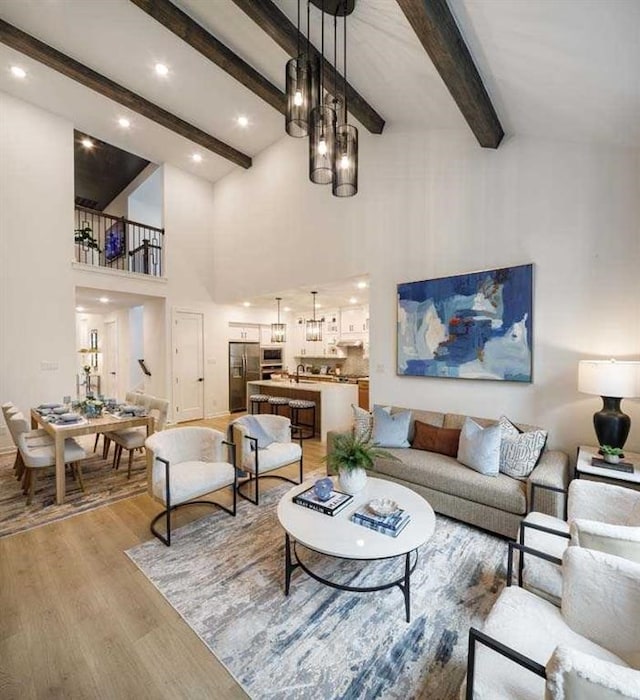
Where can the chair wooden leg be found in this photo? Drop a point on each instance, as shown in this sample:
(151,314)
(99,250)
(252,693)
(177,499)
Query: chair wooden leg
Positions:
(95,444)
(119,456)
(106,444)
(32,486)
(130,463)
(25,481)
(18,466)
(78,470)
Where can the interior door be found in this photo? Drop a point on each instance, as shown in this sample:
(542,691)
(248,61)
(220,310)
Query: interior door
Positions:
(188,366)
(109,386)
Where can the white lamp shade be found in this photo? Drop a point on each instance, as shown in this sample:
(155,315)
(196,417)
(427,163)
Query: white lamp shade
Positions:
(609,378)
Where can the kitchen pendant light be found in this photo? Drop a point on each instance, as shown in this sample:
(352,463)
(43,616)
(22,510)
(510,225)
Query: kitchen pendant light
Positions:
(299,83)
(278,330)
(313,327)
(322,131)
(345,166)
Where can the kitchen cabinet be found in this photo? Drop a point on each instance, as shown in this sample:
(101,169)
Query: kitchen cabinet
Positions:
(354,322)
(332,323)
(363,393)
(244,332)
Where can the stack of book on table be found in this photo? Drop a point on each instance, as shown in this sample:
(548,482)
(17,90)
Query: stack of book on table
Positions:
(392,524)
(334,504)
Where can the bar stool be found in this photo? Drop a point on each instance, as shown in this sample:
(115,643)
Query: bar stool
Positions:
(297,405)
(256,401)
(276,401)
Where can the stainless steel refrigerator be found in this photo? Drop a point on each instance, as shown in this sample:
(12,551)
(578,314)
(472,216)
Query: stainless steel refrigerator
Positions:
(244,366)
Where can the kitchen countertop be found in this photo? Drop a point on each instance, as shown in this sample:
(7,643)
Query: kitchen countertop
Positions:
(304,385)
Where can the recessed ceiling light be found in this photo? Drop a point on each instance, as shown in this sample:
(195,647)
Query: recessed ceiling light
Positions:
(80,308)
(87,143)
(161,69)
(353,300)
(18,72)
(362,285)
(246,303)
(243,121)
(287,308)
(104,300)
(196,158)
(124,122)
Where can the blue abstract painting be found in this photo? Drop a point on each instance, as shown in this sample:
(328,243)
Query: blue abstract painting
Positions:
(473,326)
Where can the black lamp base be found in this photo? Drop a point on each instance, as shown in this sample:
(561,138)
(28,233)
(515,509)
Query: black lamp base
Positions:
(611,424)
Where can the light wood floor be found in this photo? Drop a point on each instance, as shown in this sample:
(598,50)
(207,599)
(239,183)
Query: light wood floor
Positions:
(78,620)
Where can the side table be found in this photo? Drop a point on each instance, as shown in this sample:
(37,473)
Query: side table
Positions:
(584,468)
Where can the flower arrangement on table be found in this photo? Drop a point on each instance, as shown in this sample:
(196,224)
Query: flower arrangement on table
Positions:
(91,407)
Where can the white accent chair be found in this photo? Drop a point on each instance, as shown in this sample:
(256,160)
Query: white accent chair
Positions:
(132,439)
(600,516)
(588,649)
(34,437)
(37,454)
(249,433)
(184,464)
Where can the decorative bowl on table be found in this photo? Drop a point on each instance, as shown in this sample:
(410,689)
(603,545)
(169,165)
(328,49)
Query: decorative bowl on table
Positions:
(382,506)
(69,417)
(60,410)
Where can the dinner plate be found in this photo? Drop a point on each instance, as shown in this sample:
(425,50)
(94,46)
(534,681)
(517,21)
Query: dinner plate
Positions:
(70,417)
(50,405)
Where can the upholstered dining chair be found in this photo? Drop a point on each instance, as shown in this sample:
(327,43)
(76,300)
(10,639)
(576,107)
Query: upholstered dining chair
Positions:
(133,438)
(264,443)
(36,457)
(132,398)
(589,649)
(600,516)
(184,464)
(34,437)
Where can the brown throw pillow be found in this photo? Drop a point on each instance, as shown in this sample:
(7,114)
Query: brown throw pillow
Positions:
(444,441)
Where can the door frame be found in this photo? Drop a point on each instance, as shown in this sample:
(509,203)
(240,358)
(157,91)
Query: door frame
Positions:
(116,354)
(174,346)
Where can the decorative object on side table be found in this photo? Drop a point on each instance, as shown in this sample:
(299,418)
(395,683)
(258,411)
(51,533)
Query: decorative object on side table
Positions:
(611,454)
(351,456)
(323,488)
(612,381)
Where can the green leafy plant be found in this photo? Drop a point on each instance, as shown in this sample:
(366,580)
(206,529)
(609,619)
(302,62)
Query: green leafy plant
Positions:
(84,236)
(613,451)
(350,452)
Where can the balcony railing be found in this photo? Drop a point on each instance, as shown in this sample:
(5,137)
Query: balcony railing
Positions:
(117,243)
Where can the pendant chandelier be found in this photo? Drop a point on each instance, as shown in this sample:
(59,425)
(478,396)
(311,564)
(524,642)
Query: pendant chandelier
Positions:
(299,88)
(345,166)
(313,327)
(278,330)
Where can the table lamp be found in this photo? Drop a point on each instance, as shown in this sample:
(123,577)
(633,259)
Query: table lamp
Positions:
(612,381)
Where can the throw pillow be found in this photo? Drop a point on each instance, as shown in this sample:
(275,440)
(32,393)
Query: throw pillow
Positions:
(362,423)
(390,429)
(480,447)
(519,452)
(444,441)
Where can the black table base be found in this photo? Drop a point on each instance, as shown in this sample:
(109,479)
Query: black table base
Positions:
(403,583)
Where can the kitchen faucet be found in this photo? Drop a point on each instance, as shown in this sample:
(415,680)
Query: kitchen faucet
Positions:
(298,373)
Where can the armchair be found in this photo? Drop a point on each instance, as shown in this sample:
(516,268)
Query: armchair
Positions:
(264,443)
(600,516)
(184,464)
(589,649)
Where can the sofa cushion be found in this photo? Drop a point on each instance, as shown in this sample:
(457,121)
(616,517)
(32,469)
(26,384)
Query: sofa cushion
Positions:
(456,420)
(479,447)
(362,423)
(390,430)
(430,417)
(442,440)
(447,475)
(519,451)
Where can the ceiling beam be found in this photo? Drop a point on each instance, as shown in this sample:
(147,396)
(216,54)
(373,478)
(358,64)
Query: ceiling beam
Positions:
(438,32)
(36,49)
(277,25)
(178,22)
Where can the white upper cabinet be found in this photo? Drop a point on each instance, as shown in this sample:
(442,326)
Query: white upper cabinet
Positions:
(244,332)
(354,321)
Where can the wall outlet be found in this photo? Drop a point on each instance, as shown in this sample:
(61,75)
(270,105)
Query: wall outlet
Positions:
(380,369)
(48,365)
(211,361)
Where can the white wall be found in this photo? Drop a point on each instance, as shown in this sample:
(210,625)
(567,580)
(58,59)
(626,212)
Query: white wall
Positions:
(37,317)
(436,204)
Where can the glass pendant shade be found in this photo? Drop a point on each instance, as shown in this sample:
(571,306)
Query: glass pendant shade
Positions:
(314,330)
(345,176)
(322,137)
(278,330)
(298,90)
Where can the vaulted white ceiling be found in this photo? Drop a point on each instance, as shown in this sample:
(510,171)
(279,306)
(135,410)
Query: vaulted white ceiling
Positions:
(564,69)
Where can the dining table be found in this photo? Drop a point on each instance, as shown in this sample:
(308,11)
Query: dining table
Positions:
(87,426)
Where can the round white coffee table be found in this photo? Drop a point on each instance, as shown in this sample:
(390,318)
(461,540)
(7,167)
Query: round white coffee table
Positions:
(338,536)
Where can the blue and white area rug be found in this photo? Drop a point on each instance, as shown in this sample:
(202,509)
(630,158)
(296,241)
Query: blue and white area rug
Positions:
(225,576)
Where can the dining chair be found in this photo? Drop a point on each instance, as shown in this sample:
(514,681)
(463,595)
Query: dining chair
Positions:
(132,439)
(36,457)
(34,437)
(132,398)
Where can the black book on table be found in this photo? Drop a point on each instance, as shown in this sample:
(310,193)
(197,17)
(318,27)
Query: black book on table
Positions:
(626,467)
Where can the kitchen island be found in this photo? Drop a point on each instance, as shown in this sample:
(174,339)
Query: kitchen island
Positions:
(333,400)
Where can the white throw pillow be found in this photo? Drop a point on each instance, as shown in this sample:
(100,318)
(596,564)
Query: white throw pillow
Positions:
(479,447)
(519,452)
(362,423)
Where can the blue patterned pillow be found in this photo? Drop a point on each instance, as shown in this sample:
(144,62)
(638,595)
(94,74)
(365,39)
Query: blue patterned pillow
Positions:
(390,429)
(519,452)
(479,447)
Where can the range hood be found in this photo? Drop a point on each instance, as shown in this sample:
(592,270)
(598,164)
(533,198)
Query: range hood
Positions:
(349,343)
